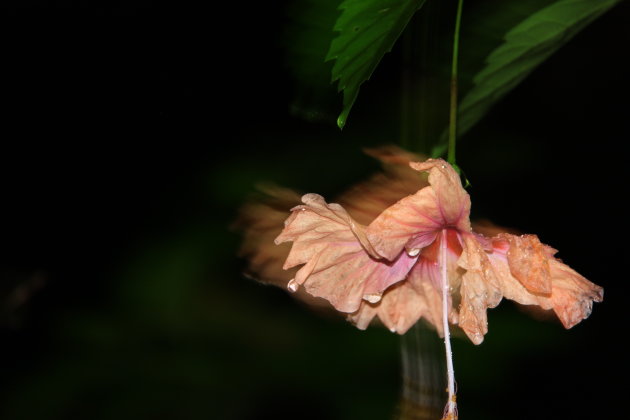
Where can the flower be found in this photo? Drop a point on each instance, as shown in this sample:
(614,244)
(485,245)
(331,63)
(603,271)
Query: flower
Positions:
(397,267)
(400,247)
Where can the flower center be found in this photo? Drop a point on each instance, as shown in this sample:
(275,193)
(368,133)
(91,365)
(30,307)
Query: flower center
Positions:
(453,244)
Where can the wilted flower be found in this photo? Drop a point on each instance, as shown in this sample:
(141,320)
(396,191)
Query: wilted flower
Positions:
(377,253)
(393,267)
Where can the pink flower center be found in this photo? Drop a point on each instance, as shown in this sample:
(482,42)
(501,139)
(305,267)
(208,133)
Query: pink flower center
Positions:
(453,244)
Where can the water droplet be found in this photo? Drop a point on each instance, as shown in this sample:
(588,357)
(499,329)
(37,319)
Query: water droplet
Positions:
(373,297)
(293,286)
(393,329)
(413,252)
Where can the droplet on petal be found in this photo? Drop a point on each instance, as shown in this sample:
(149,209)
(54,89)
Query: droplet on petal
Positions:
(373,297)
(293,286)
(413,252)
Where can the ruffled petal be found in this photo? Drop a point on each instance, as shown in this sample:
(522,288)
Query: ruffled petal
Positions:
(426,279)
(418,296)
(510,287)
(572,295)
(414,221)
(479,290)
(529,263)
(453,200)
(261,221)
(400,308)
(339,263)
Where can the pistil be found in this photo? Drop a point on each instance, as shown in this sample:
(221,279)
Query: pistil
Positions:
(450,411)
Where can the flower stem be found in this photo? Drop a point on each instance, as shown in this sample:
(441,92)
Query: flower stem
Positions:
(452,126)
(450,412)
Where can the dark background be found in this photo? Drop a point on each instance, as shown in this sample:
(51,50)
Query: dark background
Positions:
(131,133)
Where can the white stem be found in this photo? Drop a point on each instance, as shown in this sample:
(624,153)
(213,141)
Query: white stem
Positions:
(451,411)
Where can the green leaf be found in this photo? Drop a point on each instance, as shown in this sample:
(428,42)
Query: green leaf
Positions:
(523,48)
(367,30)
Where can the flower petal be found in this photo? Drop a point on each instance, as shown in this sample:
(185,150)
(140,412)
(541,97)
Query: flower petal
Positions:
(425,278)
(317,220)
(528,261)
(572,295)
(454,201)
(414,221)
(511,288)
(415,218)
(340,264)
(400,308)
(479,290)
(419,295)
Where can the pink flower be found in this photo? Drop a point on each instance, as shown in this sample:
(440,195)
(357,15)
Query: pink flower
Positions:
(395,267)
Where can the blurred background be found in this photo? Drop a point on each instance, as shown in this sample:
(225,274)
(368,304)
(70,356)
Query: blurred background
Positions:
(133,131)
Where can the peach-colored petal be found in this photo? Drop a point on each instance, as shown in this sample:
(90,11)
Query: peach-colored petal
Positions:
(510,287)
(454,201)
(479,290)
(572,295)
(399,309)
(308,224)
(414,221)
(339,264)
(425,278)
(261,221)
(528,261)
(420,294)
